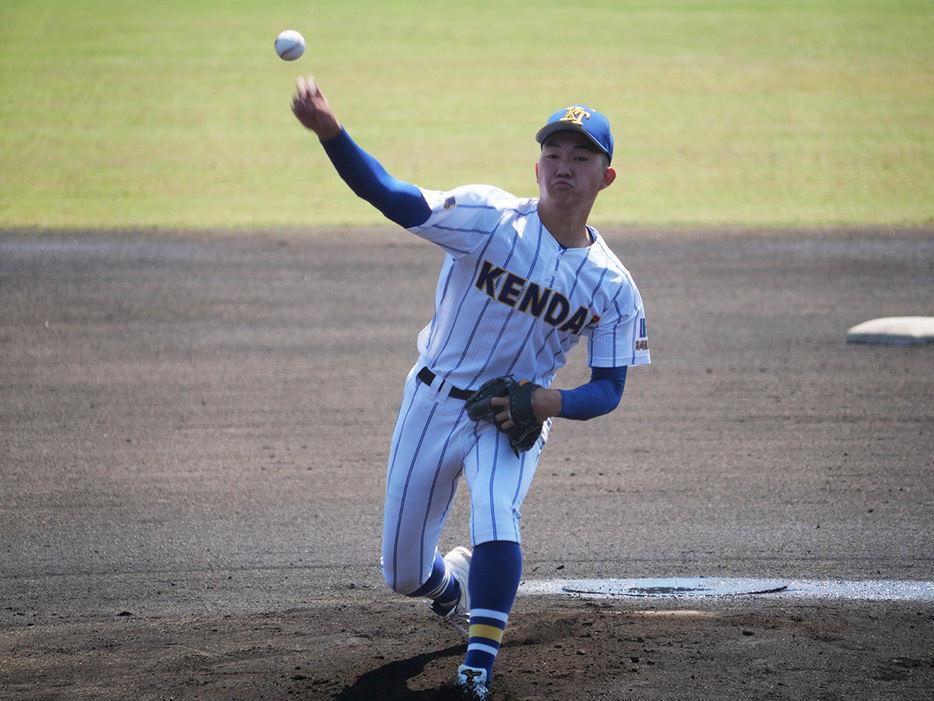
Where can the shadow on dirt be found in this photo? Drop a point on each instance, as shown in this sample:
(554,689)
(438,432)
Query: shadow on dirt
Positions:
(389,682)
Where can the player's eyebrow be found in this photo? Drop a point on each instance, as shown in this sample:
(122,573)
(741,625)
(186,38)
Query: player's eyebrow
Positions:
(583,145)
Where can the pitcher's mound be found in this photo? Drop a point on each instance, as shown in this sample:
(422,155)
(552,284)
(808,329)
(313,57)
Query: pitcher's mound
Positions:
(675,586)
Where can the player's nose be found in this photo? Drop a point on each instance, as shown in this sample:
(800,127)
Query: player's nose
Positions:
(564,167)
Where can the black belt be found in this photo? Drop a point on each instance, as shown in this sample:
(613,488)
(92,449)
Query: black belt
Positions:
(427,376)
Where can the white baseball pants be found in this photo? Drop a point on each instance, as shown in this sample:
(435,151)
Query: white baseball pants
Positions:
(433,443)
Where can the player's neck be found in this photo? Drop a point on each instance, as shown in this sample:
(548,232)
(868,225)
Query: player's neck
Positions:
(568,228)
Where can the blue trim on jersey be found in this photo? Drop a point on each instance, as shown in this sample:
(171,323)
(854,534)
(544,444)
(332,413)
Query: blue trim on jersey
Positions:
(505,324)
(599,396)
(398,201)
(531,326)
(460,308)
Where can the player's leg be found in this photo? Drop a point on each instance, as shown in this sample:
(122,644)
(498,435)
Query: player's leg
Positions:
(495,573)
(499,482)
(423,472)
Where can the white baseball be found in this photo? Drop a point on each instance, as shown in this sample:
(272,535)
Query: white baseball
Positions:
(290,45)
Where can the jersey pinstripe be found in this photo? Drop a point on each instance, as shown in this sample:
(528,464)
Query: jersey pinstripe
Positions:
(511,300)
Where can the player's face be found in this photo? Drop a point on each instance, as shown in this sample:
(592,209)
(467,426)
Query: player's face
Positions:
(570,170)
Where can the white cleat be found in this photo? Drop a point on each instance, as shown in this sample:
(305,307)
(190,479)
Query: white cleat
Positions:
(458,563)
(472,683)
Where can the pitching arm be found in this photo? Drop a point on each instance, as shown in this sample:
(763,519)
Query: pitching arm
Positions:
(397,200)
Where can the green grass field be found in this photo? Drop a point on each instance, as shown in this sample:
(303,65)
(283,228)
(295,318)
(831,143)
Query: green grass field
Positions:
(123,113)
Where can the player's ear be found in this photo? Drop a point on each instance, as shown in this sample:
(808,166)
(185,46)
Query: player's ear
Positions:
(536,171)
(608,177)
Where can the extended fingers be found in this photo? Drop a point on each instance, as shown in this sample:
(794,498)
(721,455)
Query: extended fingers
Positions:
(306,87)
(306,90)
(502,417)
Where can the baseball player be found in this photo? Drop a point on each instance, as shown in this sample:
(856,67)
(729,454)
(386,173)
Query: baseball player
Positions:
(522,282)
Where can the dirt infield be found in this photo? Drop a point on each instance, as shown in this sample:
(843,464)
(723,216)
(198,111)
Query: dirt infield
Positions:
(193,430)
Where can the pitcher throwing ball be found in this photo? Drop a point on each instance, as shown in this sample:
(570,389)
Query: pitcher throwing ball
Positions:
(523,280)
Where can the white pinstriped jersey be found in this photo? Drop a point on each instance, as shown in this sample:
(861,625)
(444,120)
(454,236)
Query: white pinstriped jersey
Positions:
(511,300)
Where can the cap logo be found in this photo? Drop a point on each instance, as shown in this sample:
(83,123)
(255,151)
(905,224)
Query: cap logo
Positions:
(575,115)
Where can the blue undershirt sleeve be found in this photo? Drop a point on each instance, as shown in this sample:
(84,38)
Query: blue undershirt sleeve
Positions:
(398,201)
(599,396)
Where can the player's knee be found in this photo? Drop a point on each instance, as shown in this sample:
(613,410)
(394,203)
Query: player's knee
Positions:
(400,582)
(387,574)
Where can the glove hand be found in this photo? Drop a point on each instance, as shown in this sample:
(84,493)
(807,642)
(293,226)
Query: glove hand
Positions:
(509,405)
(501,407)
(545,404)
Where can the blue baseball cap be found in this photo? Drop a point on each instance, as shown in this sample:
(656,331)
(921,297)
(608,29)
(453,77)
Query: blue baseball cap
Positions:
(580,118)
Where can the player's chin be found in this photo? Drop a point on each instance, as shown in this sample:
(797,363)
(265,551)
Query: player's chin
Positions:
(562,190)
(563,197)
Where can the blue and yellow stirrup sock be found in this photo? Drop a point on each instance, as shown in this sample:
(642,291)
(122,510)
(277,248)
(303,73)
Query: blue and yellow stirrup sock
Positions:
(495,573)
(441,587)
